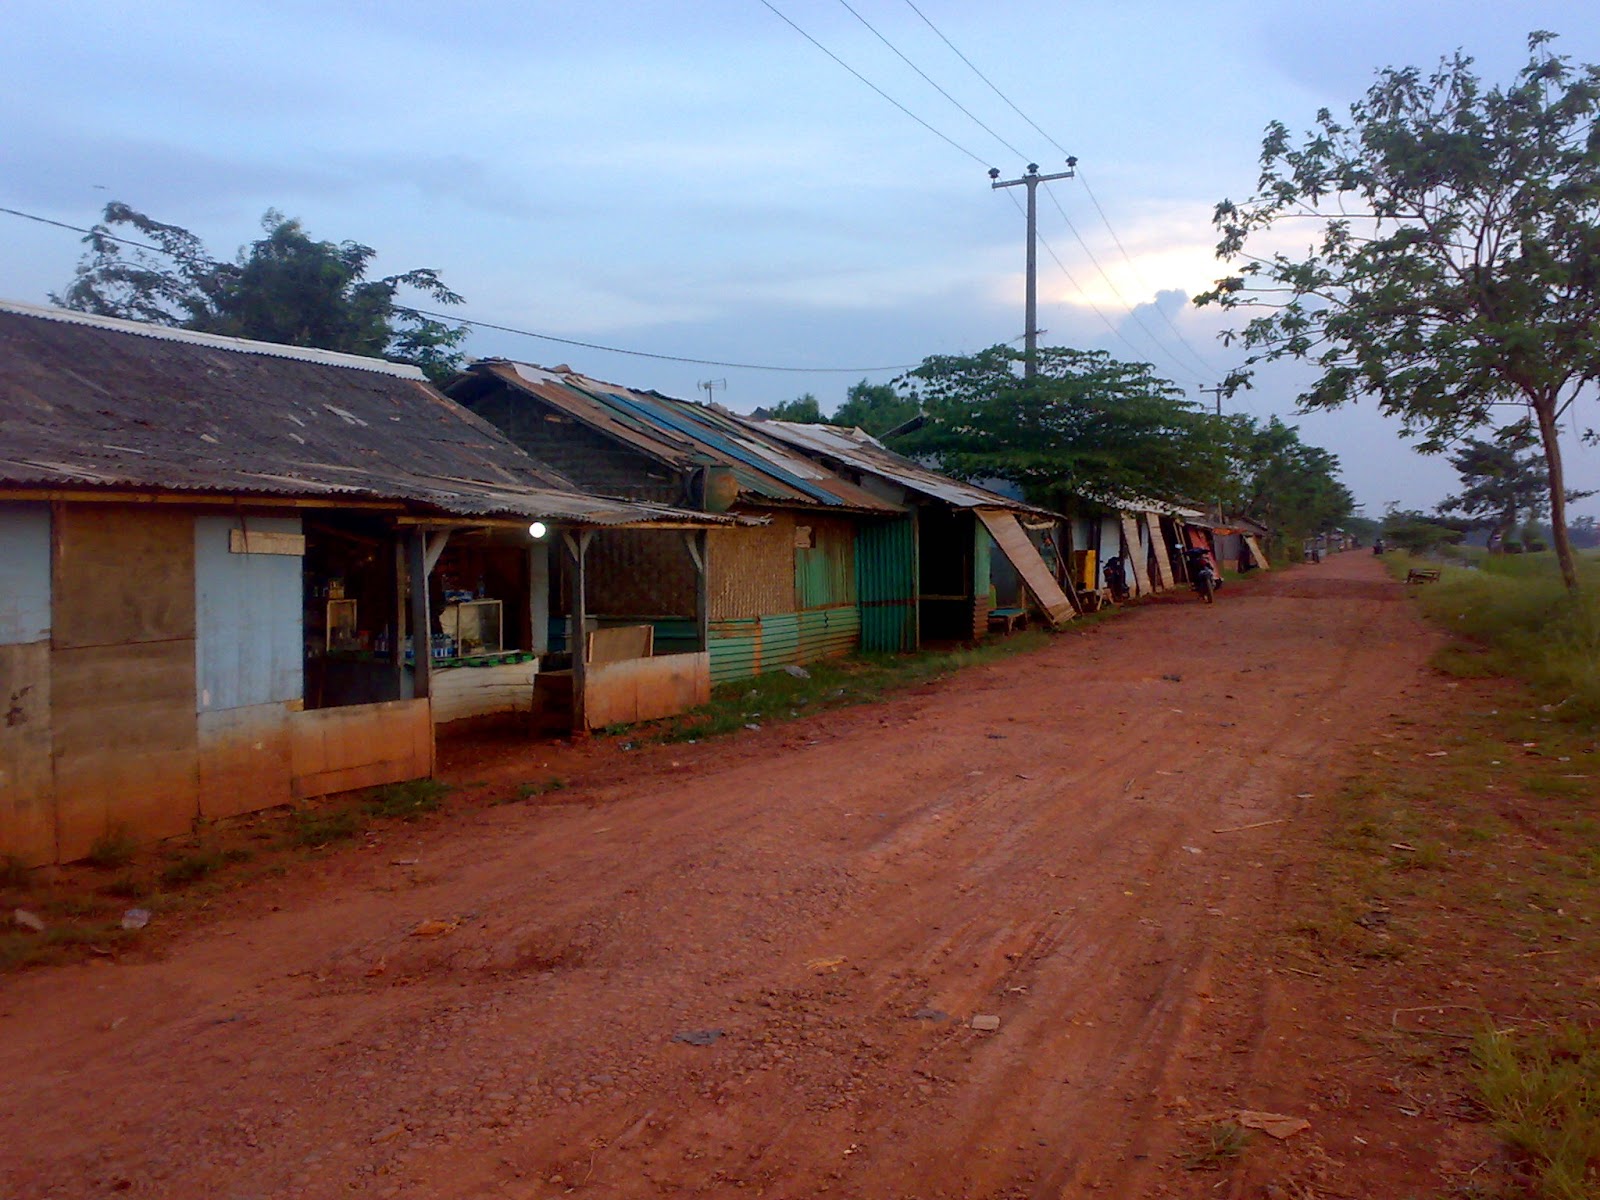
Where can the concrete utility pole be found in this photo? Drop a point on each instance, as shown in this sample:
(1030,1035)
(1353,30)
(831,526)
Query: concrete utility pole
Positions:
(1032,180)
(1217,392)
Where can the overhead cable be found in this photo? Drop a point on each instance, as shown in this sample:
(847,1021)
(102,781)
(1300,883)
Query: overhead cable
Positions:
(941,136)
(979,123)
(1176,332)
(476,324)
(1205,365)
(986,79)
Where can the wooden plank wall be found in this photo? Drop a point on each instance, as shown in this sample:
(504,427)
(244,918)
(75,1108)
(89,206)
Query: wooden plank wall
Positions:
(122,669)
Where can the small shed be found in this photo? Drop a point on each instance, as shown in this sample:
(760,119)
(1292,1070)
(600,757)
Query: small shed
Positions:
(220,575)
(954,581)
(781,589)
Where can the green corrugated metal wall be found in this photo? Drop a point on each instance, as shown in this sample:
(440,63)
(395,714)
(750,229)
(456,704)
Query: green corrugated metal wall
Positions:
(886,584)
(749,646)
(825,574)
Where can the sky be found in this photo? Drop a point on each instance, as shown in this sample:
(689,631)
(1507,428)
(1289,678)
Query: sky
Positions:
(702,181)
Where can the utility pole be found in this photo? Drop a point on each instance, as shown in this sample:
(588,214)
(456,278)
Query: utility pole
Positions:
(1217,392)
(1032,180)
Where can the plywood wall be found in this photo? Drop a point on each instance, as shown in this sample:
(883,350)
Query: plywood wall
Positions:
(122,674)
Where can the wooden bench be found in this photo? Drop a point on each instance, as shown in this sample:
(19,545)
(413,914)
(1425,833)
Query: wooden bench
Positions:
(1423,575)
(1007,619)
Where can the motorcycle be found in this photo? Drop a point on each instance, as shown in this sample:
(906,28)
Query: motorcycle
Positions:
(1203,577)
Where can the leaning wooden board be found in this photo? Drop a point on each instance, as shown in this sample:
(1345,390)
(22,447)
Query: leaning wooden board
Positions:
(1136,554)
(1036,577)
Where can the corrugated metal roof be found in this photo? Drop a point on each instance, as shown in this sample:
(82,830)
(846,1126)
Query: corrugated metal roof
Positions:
(686,436)
(97,402)
(858,450)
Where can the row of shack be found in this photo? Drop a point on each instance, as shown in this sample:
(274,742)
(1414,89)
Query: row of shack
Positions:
(235,574)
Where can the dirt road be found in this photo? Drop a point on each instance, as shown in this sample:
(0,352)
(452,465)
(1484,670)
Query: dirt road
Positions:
(1088,843)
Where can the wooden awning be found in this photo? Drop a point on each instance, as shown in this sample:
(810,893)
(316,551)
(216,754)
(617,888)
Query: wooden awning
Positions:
(1036,577)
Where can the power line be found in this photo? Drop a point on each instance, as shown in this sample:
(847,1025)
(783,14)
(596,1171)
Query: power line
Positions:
(941,136)
(1084,295)
(1132,312)
(678,358)
(1176,332)
(930,80)
(986,79)
(476,324)
(1205,366)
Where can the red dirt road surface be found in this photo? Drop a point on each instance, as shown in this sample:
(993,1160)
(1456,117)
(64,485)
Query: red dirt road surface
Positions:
(757,966)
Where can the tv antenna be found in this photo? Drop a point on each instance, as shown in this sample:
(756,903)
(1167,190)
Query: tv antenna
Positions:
(710,386)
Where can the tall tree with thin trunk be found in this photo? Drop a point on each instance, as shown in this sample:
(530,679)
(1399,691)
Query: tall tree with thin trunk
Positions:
(1455,266)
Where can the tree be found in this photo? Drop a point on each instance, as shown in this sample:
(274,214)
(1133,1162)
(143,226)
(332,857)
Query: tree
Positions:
(804,410)
(1418,532)
(1284,484)
(1500,481)
(1585,533)
(284,287)
(1457,266)
(874,407)
(1085,424)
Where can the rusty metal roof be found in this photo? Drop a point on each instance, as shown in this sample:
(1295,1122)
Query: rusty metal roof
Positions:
(92,402)
(856,450)
(686,436)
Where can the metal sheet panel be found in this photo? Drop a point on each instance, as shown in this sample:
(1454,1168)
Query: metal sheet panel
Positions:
(886,585)
(24,574)
(1014,544)
(825,573)
(248,613)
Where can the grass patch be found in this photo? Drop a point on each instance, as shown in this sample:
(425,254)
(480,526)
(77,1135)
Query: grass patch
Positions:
(113,849)
(535,788)
(1220,1145)
(1543,1093)
(311,829)
(60,943)
(1517,620)
(779,696)
(406,801)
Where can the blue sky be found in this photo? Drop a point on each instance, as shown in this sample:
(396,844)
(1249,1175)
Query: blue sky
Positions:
(699,180)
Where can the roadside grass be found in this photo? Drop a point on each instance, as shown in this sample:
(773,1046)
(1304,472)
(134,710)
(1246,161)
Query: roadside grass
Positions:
(1543,1094)
(1515,619)
(1471,854)
(778,695)
(82,905)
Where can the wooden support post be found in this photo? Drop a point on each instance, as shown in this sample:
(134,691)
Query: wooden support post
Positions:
(577,550)
(698,545)
(421,621)
(397,619)
(539,597)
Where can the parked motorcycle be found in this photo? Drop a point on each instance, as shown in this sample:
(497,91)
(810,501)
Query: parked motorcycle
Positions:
(1203,576)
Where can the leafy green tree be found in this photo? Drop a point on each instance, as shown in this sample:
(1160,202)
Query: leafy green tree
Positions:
(1500,481)
(285,287)
(1284,484)
(804,410)
(1419,532)
(1456,261)
(874,407)
(1085,424)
